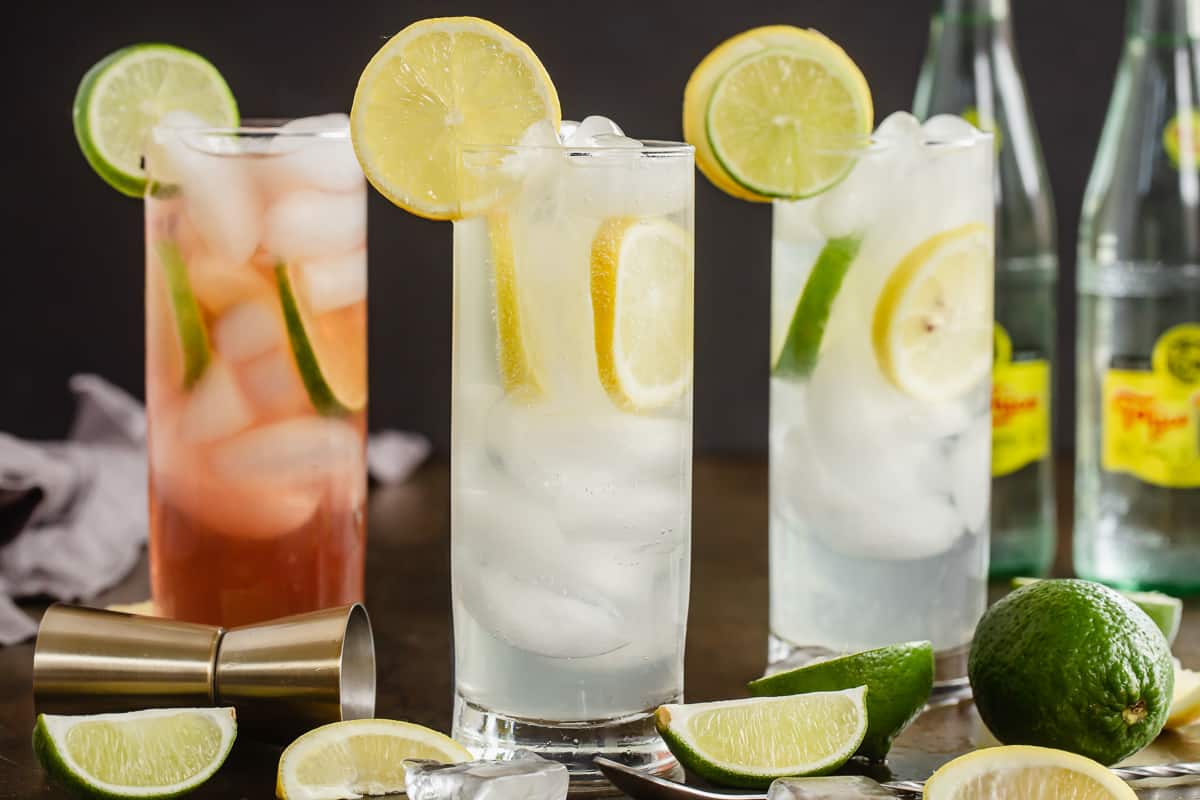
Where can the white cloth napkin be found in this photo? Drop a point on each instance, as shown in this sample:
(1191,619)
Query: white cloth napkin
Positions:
(73,513)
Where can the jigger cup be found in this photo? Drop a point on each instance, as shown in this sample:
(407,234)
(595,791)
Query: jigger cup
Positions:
(283,676)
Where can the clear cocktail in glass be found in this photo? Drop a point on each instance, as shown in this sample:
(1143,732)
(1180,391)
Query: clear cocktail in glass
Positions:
(571,446)
(255,368)
(880,414)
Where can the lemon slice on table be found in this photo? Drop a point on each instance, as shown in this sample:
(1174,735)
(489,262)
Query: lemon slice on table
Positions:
(157,753)
(1030,773)
(641,285)
(358,757)
(933,324)
(435,85)
(330,349)
(517,360)
(126,93)
(1185,701)
(751,742)
(780,107)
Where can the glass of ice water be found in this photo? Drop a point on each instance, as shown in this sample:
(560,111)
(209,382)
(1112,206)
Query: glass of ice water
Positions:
(880,433)
(571,446)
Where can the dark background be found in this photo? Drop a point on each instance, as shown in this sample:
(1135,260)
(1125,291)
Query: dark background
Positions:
(71,290)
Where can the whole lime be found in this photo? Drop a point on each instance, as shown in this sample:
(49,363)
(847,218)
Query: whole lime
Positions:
(1073,665)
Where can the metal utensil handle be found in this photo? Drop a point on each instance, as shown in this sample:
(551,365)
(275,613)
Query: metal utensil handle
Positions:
(1124,773)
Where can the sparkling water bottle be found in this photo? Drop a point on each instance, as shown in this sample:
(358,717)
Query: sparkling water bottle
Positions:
(1137,484)
(971,69)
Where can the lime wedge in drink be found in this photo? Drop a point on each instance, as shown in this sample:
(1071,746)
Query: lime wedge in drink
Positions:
(751,742)
(330,349)
(798,355)
(126,93)
(898,680)
(163,752)
(1166,611)
(189,324)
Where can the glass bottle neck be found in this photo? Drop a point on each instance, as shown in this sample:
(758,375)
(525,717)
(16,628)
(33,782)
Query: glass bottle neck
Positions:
(975,13)
(1168,21)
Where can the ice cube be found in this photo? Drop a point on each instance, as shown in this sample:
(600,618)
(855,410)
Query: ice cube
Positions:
(300,451)
(219,285)
(215,407)
(156,157)
(566,129)
(520,582)
(839,787)
(970,466)
(526,776)
(639,515)
(273,385)
(337,281)
(307,225)
(247,330)
(945,128)
(584,134)
(221,199)
(323,159)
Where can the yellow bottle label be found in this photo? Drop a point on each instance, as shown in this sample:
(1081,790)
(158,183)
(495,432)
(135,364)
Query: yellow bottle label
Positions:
(1020,409)
(1151,419)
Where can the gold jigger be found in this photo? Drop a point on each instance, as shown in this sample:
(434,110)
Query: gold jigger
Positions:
(290,675)
(284,676)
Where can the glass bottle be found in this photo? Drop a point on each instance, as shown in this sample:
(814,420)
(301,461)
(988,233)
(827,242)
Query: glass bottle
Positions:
(971,69)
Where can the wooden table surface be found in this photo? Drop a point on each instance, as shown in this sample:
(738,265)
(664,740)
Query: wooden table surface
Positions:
(408,595)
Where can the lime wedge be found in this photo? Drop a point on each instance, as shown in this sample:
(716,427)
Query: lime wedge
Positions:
(189,324)
(125,94)
(162,752)
(783,122)
(358,757)
(1028,773)
(1166,611)
(798,355)
(751,742)
(330,349)
(898,680)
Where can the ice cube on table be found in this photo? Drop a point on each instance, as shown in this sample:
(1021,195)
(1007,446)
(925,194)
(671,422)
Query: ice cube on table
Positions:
(337,281)
(221,198)
(307,224)
(247,330)
(526,776)
(837,787)
(215,408)
(315,152)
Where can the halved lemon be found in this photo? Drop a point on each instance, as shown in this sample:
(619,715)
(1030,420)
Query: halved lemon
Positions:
(517,370)
(1030,773)
(782,121)
(933,323)
(437,84)
(330,349)
(642,285)
(358,757)
(1185,701)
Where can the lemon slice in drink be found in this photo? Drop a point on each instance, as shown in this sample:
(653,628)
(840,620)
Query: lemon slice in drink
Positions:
(330,349)
(1030,773)
(358,757)
(779,121)
(933,326)
(1185,701)
(517,370)
(156,753)
(751,742)
(437,84)
(642,310)
(125,95)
